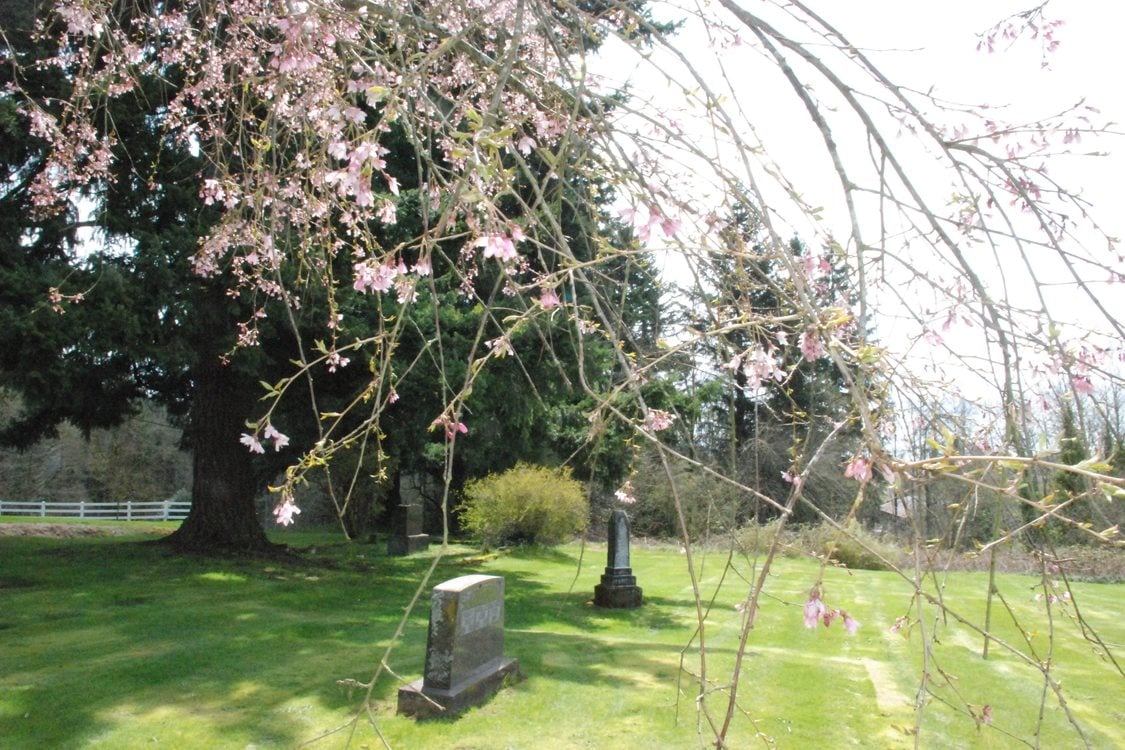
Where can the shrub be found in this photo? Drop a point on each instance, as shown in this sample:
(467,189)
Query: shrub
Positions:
(710,506)
(526,504)
(856,547)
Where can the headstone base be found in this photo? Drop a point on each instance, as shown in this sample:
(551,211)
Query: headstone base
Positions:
(415,699)
(397,546)
(618,590)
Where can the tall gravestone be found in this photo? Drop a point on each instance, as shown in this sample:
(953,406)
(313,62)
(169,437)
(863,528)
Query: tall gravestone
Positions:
(406,519)
(465,662)
(618,589)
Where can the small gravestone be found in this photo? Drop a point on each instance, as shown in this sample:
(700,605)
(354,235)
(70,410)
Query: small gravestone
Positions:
(406,530)
(406,518)
(618,589)
(465,662)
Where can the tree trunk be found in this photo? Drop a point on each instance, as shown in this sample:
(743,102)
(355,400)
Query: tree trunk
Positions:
(222,517)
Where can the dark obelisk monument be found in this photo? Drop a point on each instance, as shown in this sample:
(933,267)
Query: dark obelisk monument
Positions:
(618,589)
(406,519)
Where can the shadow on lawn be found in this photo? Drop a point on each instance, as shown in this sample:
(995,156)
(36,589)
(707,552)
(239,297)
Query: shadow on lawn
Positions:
(99,635)
(562,636)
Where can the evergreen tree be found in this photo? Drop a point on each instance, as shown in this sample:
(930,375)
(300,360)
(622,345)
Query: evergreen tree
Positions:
(147,327)
(771,390)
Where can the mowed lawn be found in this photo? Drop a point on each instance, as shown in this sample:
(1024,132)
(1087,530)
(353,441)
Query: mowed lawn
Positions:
(107,642)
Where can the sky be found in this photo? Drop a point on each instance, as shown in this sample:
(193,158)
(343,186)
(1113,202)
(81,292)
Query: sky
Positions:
(930,47)
(939,49)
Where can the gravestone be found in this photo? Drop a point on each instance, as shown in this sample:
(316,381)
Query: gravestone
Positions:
(406,519)
(618,589)
(465,662)
(406,531)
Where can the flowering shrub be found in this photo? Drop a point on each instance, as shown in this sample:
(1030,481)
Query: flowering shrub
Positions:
(525,504)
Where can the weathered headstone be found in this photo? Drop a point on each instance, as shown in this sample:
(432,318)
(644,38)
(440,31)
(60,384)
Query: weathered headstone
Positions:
(618,589)
(406,518)
(406,531)
(465,662)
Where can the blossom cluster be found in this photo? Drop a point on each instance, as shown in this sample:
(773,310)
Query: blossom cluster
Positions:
(657,420)
(285,510)
(252,442)
(817,612)
(450,426)
(291,103)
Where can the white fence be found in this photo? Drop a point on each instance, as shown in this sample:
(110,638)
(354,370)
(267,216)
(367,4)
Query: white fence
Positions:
(156,510)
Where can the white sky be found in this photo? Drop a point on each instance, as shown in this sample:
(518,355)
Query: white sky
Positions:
(925,46)
(942,36)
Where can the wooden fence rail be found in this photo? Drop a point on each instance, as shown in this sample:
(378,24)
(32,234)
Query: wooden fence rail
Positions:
(155,510)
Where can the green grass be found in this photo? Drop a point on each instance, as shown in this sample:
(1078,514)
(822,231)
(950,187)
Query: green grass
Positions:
(105,642)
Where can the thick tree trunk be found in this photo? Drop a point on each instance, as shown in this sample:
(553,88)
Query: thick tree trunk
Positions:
(222,518)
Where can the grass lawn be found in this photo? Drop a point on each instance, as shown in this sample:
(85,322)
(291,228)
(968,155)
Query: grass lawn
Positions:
(105,642)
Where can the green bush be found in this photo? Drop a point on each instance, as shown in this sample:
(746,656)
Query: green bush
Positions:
(855,547)
(526,504)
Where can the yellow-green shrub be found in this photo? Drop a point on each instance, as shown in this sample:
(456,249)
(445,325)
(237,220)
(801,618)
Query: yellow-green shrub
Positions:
(525,504)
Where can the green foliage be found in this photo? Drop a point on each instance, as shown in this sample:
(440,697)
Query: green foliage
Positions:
(709,505)
(1072,451)
(140,459)
(859,549)
(525,504)
(758,429)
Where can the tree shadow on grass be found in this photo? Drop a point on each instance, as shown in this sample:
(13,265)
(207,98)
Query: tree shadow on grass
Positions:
(231,651)
(103,635)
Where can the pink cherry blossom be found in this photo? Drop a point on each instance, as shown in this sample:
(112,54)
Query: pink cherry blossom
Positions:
(850,624)
(497,246)
(450,426)
(387,213)
(501,346)
(525,144)
(404,287)
(370,277)
(1082,385)
(285,511)
(251,442)
(811,346)
(279,440)
(758,366)
(624,494)
(814,609)
(859,469)
(549,299)
(793,478)
(658,419)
